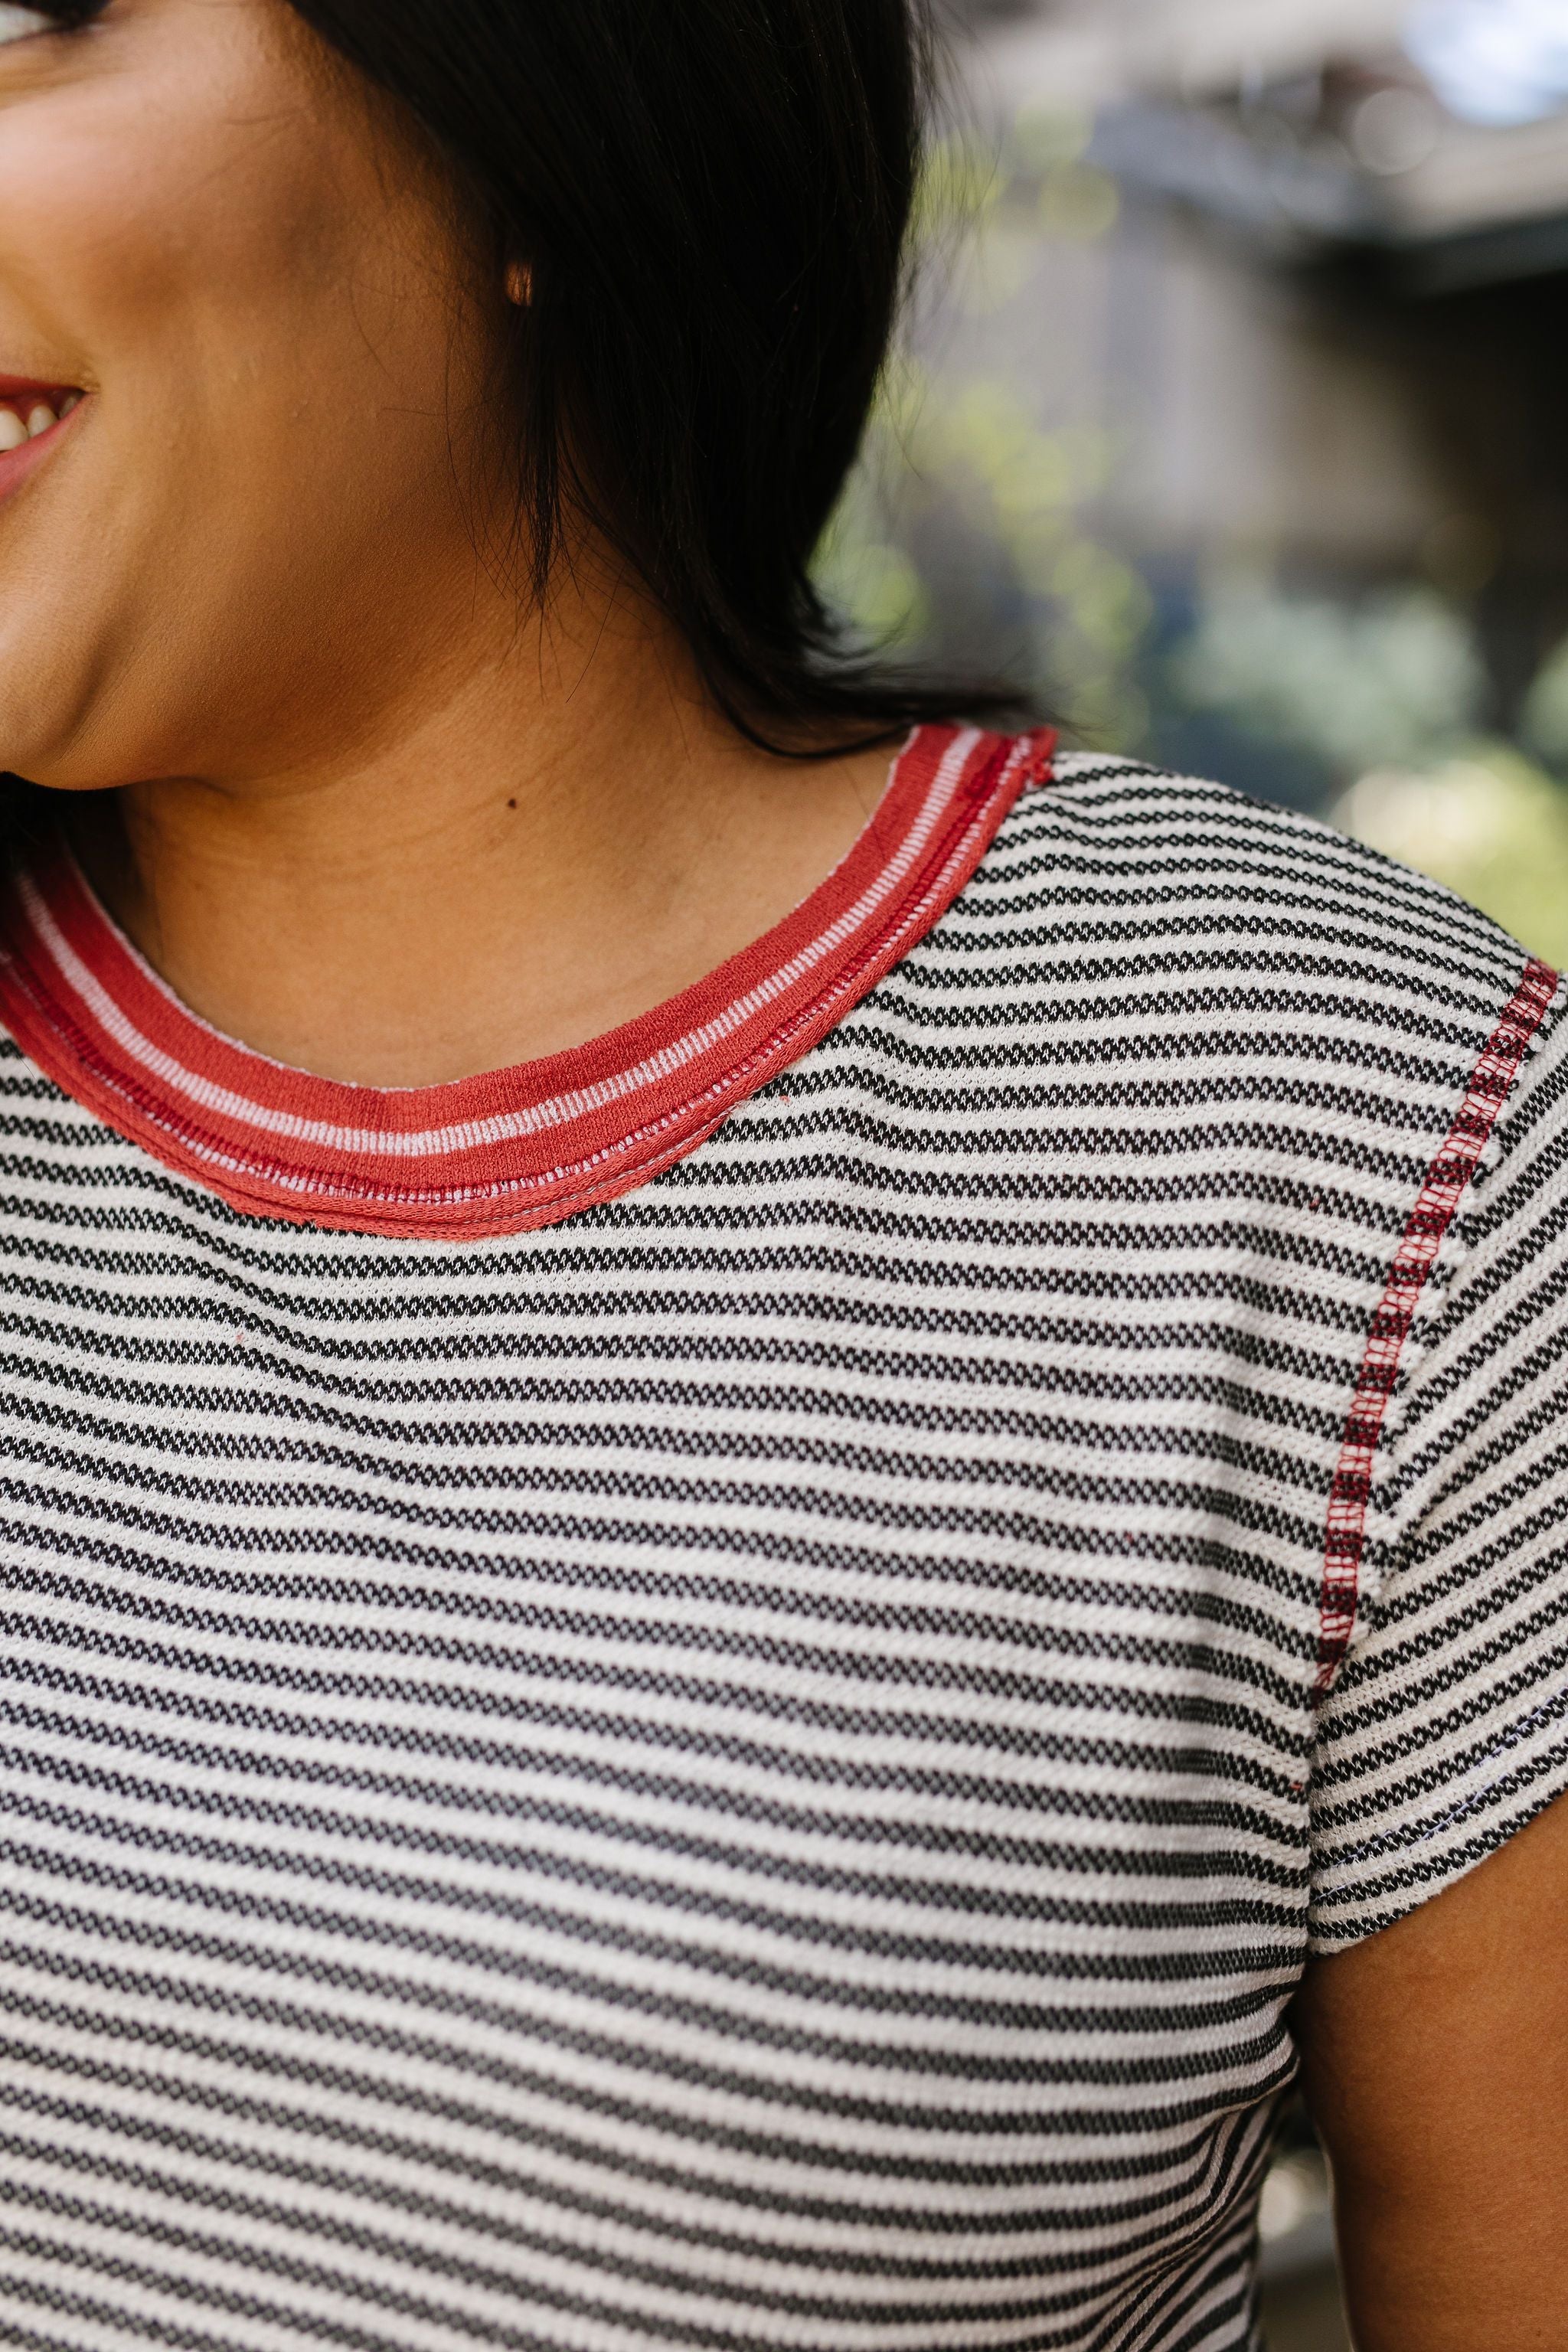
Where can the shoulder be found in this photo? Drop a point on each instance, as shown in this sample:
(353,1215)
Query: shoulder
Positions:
(1149,855)
(1118,892)
(1168,977)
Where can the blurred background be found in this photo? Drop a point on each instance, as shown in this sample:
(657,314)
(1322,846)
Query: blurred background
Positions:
(1229,417)
(1230,421)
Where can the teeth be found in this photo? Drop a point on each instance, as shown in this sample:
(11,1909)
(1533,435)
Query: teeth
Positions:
(41,417)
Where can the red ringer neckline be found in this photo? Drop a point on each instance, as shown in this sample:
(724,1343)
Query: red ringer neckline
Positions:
(516,1147)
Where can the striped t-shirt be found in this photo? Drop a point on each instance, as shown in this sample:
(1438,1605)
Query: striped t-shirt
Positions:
(706,1696)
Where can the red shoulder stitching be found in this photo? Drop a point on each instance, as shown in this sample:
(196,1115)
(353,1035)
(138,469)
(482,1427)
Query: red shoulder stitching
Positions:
(1448,1179)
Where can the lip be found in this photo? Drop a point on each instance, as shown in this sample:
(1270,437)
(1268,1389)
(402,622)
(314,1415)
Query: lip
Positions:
(17,465)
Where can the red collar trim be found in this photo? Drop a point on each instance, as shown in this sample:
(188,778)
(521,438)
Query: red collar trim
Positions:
(516,1147)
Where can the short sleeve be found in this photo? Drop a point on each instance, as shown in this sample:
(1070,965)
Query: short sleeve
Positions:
(1447,1730)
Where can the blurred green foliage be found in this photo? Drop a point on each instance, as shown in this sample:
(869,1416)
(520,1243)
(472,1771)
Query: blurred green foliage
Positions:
(1381,692)
(1393,678)
(950,439)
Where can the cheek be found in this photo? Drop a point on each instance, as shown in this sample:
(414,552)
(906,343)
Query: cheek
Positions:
(247,294)
(134,242)
(255,304)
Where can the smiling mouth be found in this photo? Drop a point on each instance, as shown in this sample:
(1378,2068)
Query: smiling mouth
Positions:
(29,411)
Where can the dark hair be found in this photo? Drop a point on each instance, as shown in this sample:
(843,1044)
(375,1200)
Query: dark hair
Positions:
(713,199)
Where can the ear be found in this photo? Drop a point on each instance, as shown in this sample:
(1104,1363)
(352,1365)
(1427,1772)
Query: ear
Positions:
(519,284)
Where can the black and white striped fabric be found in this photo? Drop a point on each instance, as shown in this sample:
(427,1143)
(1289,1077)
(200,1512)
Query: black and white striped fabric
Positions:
(757,1767)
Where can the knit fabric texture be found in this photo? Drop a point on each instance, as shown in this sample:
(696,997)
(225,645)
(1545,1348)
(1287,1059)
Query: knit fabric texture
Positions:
(757,1765)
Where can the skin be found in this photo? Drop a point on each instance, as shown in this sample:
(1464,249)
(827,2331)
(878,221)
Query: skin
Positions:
(1435,2065)
(357,809)
(363,815)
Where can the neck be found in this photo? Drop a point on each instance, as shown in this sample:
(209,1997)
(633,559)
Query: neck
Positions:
(541,844)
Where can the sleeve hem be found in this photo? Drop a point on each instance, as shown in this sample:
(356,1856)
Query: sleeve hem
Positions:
(1424,1860)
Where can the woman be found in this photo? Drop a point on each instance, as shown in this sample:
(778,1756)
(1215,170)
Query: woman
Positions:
(768,1503)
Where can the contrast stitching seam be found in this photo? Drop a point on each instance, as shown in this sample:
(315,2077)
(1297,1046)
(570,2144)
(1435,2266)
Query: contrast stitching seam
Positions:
(1448,1179)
